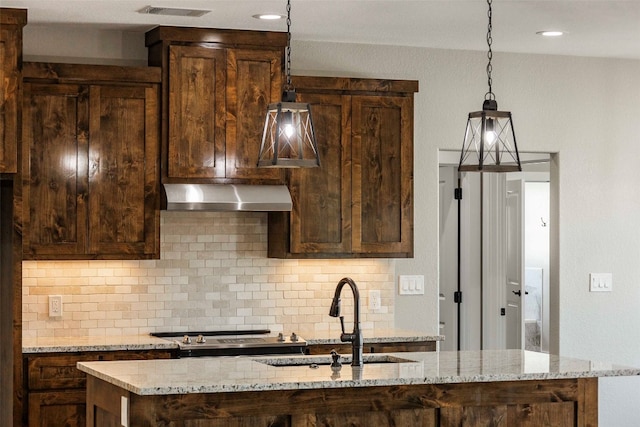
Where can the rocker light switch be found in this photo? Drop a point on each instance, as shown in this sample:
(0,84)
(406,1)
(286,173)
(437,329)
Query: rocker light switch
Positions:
(411,285)
(600,282)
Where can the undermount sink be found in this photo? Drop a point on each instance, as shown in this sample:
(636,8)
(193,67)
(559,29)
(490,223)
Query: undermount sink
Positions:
(316,361)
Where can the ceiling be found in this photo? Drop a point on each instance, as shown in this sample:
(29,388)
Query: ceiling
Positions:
(600,28)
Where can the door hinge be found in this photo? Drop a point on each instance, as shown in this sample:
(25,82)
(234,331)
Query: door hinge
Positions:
(457,193)
(457,297)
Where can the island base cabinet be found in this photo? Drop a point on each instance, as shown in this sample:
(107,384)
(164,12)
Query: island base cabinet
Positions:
(552,403)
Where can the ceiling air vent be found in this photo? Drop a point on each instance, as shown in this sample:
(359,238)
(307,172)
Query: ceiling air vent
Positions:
(172,11)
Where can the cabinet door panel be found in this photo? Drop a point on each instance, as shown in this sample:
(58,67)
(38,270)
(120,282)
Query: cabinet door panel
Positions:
(551,414)
(471,416)
(254,80)
(197,112)
(55,132)
(402,417)
(122,170)
(321,216)
(57,408)
(382,172)
(10,44)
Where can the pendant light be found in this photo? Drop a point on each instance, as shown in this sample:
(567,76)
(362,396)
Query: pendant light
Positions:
(288,140)
(489,141)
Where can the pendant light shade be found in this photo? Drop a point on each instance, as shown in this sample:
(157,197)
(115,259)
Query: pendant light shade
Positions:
(288,139)
(489,140)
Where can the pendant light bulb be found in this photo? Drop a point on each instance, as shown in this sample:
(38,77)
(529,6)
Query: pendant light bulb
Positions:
(288,130)
(489,134)
(288,127)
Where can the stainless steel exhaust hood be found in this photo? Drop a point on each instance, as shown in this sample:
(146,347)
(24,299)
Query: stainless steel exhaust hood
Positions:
(227,197)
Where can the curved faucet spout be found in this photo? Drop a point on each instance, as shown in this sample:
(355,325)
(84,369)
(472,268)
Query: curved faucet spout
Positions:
(354,337)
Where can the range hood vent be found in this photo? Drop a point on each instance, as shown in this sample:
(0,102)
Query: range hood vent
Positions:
(172,11)
(227,197)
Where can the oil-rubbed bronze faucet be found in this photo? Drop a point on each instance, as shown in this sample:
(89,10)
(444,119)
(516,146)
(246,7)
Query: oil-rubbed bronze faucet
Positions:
(354,337)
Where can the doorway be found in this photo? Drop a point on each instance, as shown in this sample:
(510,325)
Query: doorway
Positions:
(499,270)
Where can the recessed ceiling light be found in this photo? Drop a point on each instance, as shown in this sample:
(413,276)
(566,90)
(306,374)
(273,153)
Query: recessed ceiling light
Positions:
(268,16)
(553,33)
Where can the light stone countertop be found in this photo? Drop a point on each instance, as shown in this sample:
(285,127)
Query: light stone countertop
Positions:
(234,374)
(86,343)
(371,336)
(147,342)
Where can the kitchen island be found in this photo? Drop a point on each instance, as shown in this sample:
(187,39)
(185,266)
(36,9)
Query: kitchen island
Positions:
(506,388)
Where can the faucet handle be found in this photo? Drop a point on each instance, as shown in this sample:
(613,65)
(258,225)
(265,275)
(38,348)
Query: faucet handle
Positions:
(342,323)
(335,360)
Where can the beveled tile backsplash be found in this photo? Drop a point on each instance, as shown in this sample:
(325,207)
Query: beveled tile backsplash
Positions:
(214,274)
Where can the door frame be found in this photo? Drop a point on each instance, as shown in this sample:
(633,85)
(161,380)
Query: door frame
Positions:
(468,319)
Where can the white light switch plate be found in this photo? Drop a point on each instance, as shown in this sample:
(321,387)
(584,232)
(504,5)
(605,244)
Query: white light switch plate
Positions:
(411,285)
(600,282)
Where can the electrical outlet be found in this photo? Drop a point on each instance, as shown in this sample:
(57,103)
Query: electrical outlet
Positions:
(55,305)
(375,300)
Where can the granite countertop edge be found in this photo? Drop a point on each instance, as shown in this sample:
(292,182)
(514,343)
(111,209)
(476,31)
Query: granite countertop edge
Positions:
(164,377)
(312,385)
(147,342)
(80,344)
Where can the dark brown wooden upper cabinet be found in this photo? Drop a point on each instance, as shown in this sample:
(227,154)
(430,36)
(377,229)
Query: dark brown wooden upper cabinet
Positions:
(359,203)
(217,85)
(90,162)
(11,23)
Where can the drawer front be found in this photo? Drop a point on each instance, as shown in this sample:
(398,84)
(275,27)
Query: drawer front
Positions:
(58,371)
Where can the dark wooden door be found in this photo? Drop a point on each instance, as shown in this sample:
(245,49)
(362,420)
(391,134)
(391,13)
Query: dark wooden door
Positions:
(197,112)
(123,177)
(254,80)
(11,22)
(321,216)
(382,168)
(55,148)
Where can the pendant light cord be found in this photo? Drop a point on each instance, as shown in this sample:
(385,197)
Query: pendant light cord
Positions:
(489,95)
(288,66)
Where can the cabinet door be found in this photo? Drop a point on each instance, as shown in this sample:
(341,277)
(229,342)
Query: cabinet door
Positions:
(254,80)
(197,112)
(321,215)
(123,177)
(55,144)
(57,408)
(10,52)
(382,175)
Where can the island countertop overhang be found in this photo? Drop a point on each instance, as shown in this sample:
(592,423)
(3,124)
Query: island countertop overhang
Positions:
(237,374)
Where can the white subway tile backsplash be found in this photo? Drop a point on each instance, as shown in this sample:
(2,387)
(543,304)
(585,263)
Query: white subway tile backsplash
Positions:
(214,273)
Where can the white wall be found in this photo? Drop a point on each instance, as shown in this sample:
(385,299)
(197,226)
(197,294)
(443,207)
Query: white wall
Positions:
(584,109)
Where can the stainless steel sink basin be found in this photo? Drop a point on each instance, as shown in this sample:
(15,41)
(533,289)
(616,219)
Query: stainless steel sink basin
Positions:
(316,361)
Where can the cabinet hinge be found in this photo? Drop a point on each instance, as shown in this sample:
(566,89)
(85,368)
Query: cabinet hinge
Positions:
(457,193)
(457,297)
